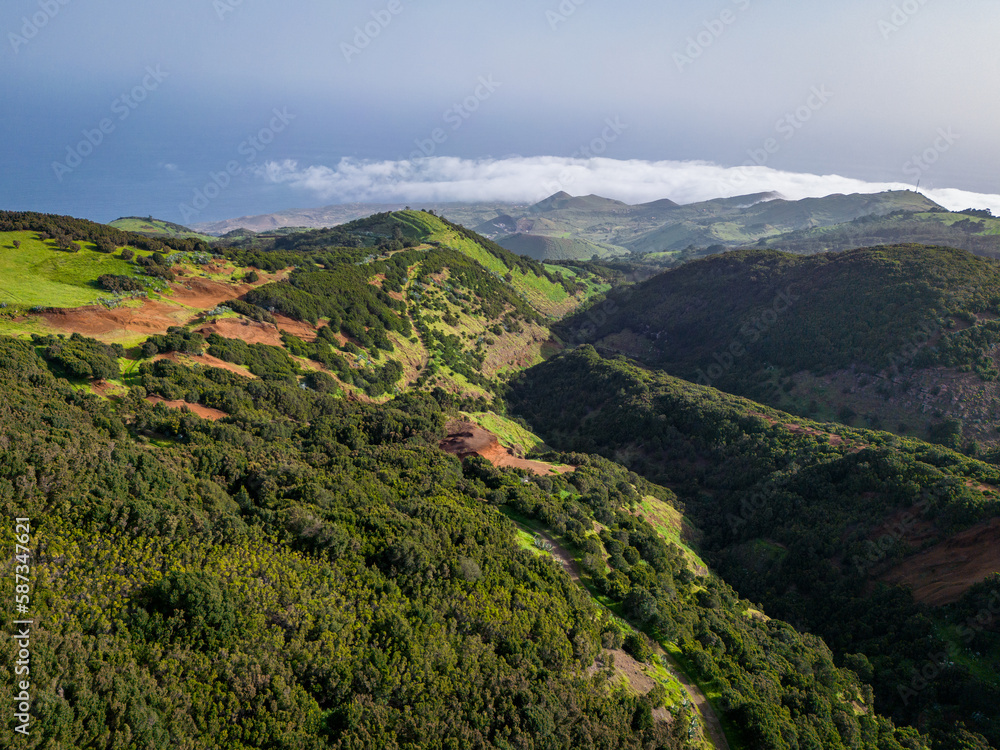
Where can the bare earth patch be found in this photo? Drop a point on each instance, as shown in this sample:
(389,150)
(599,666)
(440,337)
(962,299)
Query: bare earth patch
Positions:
(467,439)
(637,674)
(941,574)
(202,411)
(151,317)
(799,429)
(249,331)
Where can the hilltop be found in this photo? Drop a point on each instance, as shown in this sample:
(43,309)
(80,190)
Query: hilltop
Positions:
(156,228)
(375,305)
(974,230)
(663,230)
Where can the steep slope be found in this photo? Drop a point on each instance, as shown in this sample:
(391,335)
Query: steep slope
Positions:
(809,519)
(313,575)
(338,581)
(904,335)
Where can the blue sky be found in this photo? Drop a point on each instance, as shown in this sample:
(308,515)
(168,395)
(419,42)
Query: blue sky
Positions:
(118,107)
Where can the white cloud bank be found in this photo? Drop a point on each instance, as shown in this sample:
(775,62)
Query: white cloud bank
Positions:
(530,179)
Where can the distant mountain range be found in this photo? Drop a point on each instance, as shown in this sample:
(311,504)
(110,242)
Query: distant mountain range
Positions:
(574,227)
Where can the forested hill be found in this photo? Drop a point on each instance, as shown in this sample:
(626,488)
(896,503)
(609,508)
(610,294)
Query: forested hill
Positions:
(892,334)
(817,521)
(975,230)
(315,573)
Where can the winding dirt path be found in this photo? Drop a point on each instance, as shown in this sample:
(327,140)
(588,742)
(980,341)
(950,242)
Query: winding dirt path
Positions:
(709,719)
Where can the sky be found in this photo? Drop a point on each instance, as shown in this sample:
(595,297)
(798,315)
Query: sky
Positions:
(200,110)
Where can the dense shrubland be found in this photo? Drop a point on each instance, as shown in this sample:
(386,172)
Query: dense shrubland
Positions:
(789,516)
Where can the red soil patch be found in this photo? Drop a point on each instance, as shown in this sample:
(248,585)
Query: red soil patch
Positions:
(974,485)
(466,439)
(941,574)
(102,387)
(249,331)
(908,527)
(305,331)
(205,293)
(153,316)
(202,411)
(207,360)
(254,332)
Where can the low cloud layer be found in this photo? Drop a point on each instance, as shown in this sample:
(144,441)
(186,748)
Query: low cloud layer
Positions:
(529,179)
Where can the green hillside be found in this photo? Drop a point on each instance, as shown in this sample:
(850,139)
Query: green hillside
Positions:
(758,322)
(975,232)
(325,557)
(806,518)
(395,300)
(157,228)
(742,221)
(36,274)
(541,247)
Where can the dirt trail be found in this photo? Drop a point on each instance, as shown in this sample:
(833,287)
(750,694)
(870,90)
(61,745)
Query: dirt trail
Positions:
(710,720)
(467,439)
(560,554)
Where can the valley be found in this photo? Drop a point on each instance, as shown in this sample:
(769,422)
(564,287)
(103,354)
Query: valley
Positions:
(553,494)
